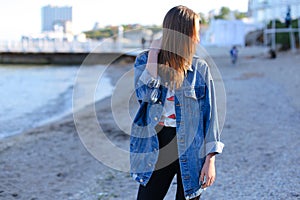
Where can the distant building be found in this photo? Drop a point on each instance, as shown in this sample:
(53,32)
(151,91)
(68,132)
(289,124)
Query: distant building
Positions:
(226,32)
(55,18)
(262,11)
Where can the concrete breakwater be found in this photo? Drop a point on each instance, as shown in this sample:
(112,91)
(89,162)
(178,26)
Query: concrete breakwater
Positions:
(65,58)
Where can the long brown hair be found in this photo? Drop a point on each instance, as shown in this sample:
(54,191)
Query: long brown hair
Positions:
(178,45)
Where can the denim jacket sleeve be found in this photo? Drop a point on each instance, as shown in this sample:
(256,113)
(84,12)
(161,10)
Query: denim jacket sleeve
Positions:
(213,143)
(146,86)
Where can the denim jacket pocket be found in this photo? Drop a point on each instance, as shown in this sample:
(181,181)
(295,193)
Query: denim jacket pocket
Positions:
(197,92)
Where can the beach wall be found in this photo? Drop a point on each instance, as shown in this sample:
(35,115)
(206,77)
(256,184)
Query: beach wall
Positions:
(63,58)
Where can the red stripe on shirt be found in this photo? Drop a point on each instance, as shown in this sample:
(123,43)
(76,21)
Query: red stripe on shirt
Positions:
(172,116)
(170,98)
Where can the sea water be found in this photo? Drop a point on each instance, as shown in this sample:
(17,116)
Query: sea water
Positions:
(33,95)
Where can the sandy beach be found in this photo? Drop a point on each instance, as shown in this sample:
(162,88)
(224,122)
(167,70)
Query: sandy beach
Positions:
(261,157)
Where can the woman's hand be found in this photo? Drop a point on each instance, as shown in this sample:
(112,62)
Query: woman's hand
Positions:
(208,171)
(156,45)
(151,65)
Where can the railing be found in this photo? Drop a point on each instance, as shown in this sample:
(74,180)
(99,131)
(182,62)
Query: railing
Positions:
(48,46)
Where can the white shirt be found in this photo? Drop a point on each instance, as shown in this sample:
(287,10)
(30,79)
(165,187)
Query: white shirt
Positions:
(168,117)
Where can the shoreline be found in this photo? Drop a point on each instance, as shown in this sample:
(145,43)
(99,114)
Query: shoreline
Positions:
(121,66)
(52,95)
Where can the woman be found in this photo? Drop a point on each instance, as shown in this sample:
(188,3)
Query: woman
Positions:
(175,130)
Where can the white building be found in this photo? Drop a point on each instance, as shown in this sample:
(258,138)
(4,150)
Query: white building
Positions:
(227,33)
(263,11)
(54,17)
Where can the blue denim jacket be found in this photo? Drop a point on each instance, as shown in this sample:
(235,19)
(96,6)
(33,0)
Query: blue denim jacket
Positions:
(197,128)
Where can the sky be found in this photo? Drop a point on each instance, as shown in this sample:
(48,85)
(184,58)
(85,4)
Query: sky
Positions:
(23,17)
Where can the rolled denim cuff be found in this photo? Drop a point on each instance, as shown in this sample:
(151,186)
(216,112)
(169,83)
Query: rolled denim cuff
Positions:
(152,84)
(154,95)
(214,147)
(149,80)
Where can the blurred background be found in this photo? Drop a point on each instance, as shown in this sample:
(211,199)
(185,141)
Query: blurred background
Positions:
(44,44)
(77,26)
(37,35)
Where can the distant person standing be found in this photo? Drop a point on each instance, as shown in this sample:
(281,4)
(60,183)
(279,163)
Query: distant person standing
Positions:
(234,54)
(143,41)
(272,53)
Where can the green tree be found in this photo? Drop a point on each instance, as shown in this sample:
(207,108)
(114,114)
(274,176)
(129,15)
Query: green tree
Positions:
(240,15)
(99,34)
(224,13)
(203,18)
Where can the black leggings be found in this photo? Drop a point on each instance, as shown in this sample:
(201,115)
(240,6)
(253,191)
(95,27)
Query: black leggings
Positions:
(166,168)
